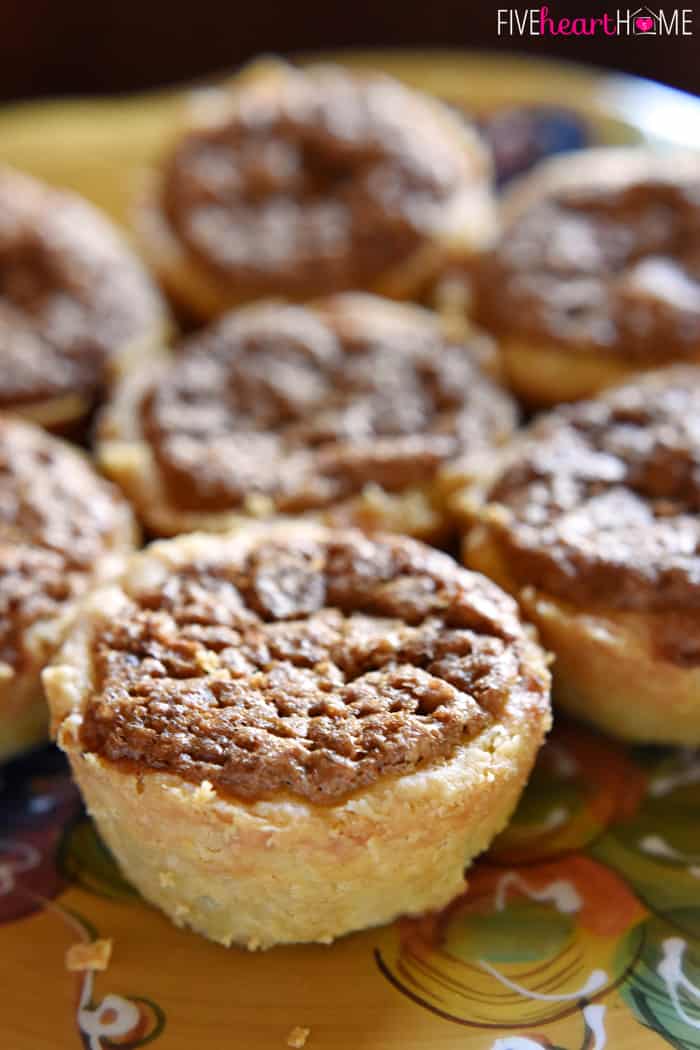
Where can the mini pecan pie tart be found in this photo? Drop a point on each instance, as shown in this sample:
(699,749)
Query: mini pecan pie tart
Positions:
(61,529)
(76,306)
(355,409)
(594,525)
(291,731)
(597,273)
(307,183)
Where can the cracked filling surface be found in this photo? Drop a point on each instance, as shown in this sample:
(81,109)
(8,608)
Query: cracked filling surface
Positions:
(316,183)
(312,663)
(306,406)
(71,294)
(601,504)
(601,270)
(57,518)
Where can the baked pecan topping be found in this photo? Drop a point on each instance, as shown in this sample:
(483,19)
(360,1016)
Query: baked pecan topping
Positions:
(309,661)
(57,519)
(316,182)
(603,499)
(601,269)
(306,406)
(71,294)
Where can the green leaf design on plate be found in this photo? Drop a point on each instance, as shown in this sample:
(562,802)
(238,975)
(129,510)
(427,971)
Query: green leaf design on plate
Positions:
(84,860)
(525,931)
(657,850)
(582,784)
(664,990)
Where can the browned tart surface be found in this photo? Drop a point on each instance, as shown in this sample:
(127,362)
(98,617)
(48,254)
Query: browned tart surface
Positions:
(71,294)
(57,518)
(307,406)
(603,500)
(601,269)
(317,185)
(313,662)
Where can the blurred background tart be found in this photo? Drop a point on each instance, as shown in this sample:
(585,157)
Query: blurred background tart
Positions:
(61,529)
(76,305)
(354,408)
(596,276)
(594,523)
(306,183)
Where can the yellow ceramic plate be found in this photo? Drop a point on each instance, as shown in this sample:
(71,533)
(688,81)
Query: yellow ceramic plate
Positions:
(581,929)
(101,147)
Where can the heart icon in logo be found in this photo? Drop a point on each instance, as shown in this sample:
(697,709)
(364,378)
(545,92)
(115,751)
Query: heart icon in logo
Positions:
(644,24)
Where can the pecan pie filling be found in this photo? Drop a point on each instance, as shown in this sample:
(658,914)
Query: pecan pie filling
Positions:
(306,407)
(320,183)
(601,505)
(56,519)
(313,665)
(601,270)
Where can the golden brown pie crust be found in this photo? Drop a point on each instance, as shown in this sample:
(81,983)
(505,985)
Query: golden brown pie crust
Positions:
(291,732)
